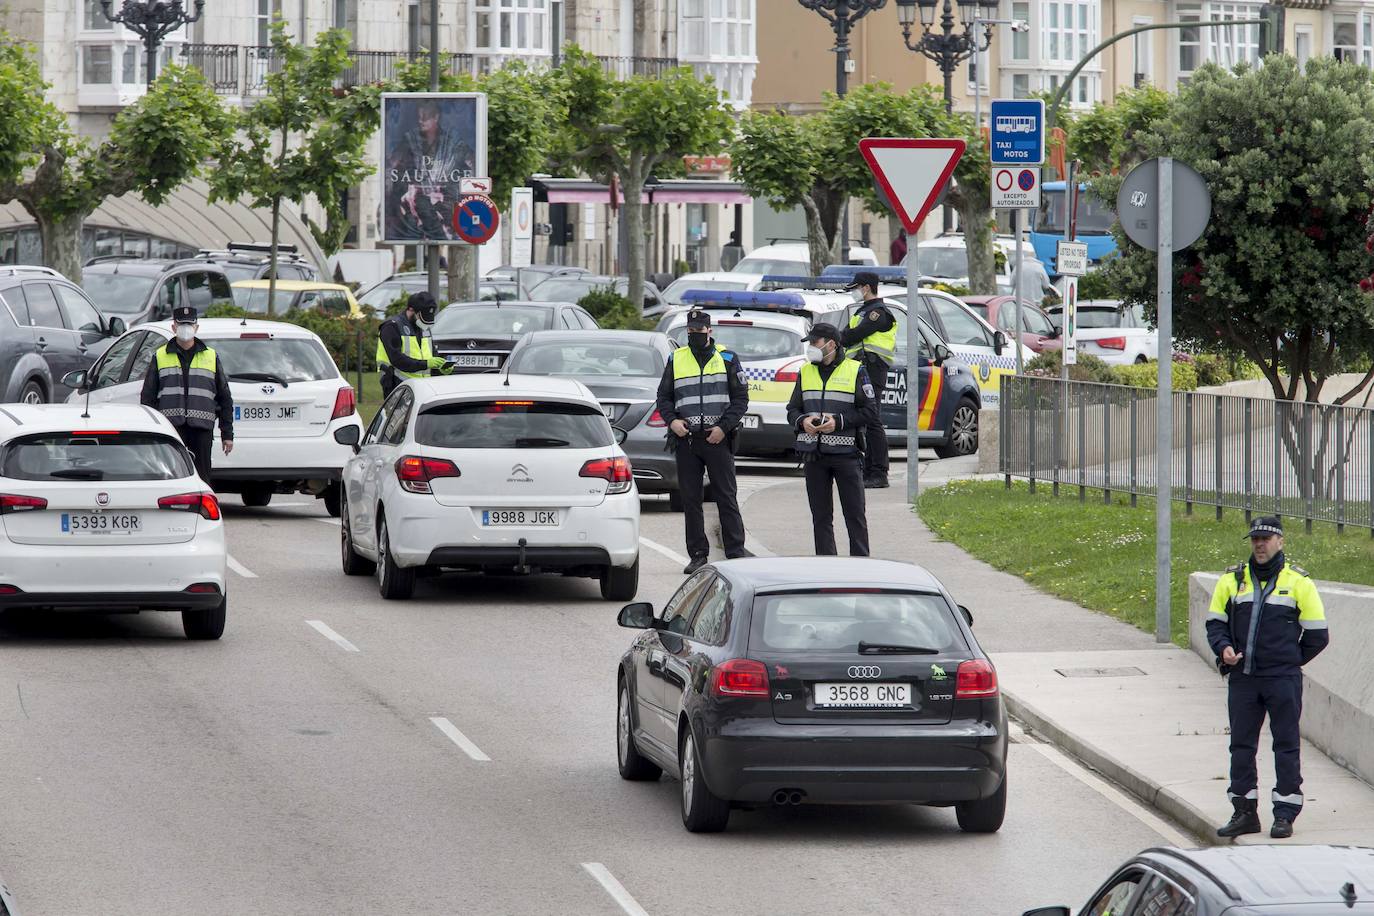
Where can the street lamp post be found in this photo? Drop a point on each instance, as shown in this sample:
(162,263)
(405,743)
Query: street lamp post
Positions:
(152,20)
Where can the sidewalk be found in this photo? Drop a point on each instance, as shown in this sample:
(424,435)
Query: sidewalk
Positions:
(1150,718)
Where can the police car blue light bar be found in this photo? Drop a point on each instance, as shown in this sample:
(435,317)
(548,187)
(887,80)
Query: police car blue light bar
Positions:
(741,298)
(788,281)
(895,275)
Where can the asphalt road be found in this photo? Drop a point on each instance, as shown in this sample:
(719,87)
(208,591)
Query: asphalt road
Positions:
(338,754)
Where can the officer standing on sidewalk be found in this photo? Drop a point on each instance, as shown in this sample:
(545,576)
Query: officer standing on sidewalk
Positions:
(871,339)
(1266,621)
(702,396)
(187,384)
(830,408)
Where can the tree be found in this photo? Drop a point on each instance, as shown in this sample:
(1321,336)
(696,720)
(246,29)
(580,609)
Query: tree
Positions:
(303,138)
(59,179)
(632,129)
(1107,139)
(971,194)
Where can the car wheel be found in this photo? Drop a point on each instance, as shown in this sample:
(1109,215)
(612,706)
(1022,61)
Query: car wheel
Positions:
(207,624)
(985,815)
(702,812)
(633,767)
(619,584)
(394,582)
(33,393)
(256,496)
(354,564)
(333,500)
(963,431)
(675,501)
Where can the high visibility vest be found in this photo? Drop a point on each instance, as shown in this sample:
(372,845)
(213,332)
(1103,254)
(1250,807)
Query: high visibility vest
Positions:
(834,395)
(882,344)
(421,348)
(187,399)
(700,393)
(1291,616)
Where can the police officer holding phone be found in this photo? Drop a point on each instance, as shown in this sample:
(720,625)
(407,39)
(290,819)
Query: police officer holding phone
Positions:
(405,344)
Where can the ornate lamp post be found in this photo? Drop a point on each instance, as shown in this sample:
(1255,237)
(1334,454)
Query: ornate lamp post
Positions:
(842,14)
(948,48)
(152,20)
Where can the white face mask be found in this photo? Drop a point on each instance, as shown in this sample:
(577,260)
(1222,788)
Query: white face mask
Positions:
(814,354)
(186,332)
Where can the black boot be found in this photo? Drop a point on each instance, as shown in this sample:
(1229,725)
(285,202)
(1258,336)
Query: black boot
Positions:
(1245,820)
(1282,829)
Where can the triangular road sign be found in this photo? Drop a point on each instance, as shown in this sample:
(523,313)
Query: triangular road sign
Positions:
(911,172)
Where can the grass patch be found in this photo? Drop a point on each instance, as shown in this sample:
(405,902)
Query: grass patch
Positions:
(370,398)
(1103,556)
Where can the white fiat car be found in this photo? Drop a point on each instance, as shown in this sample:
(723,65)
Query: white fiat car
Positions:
(289,399)
(494,473)
(105,513)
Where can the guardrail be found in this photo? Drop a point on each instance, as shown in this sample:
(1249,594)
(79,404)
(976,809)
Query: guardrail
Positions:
(1256,455)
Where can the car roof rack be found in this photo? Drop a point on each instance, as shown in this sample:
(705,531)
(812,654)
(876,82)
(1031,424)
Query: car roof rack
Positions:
(846,272)
(816,284)
(736,299)
(102,258)
(12,270)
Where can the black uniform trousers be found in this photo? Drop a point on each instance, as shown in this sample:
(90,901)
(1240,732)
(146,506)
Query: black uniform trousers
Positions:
(390,382)
(200,442)
(1248,700)
(846,473)
(695,456)
(875,458)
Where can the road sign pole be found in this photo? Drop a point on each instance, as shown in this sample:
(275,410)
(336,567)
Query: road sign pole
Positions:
(913,370)
(1164,439)
(1016,337)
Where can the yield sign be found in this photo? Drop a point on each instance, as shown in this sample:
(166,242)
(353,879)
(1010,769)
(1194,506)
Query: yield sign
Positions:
(911,172)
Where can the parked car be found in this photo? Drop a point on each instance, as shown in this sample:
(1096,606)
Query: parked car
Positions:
(572,289)
(1037,331)
(945,260)
(1112,332)
(1236,881)
(815,680)
(289,398)
(242,261)
(303,295)
(713,280)
(494,473)
(112,519)
(531,275)
(793,259)
(478,336)
(48,328)
(147,289)
(379,296)
(622,368)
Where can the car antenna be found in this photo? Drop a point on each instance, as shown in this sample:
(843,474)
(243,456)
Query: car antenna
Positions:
(508,365)
(86,411)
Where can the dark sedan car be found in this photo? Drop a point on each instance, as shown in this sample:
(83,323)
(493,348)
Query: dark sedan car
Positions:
(622,368)
(792,681)
(572,289)
(1236,881)
(478,336)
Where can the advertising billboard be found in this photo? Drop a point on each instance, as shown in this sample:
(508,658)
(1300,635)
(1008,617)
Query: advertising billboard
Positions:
(431,141)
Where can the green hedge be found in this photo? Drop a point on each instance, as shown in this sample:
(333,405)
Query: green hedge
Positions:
(1088,368)
(339,333)
(1146,375)
(613,311)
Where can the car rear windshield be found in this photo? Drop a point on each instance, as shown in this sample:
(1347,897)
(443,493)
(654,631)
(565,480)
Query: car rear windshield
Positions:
(95,456)
(513,424)
(943,262)
(751,343)
(838,621)
(281,359)
(607,358)
(1099,318)
(772,266)
(675,292)
(120,293)
(254,299)
(481,320)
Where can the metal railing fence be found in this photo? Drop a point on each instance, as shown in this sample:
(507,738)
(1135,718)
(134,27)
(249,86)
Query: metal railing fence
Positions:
(1256,455)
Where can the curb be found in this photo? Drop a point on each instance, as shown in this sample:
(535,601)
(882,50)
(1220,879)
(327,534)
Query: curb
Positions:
(1192,819)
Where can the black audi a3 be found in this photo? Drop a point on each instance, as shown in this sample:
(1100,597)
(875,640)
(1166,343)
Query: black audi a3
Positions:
(812,680)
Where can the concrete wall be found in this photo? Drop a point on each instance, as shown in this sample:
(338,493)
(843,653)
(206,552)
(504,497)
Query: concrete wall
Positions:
(1338,685)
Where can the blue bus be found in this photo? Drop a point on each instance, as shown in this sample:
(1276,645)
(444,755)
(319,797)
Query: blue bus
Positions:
(1052,221)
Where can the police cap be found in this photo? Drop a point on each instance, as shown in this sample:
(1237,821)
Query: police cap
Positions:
(424,305)
(822,330)
(698,318)
(1266,526)
(864,278)
(185,314)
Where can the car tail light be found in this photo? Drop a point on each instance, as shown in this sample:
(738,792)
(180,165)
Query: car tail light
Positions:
(206,505)
(790,372)
(415,473)
(345,403)
(203,588)
(11,503)
(656,420)
(976,679)
(740,677)
(255,335)
(615,471)
(736,321)
(10,590)
(1112,343)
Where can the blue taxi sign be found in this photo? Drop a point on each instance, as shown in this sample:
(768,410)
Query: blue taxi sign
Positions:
(1017,135)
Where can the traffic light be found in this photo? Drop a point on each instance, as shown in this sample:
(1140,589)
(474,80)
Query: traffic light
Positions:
(1271,32)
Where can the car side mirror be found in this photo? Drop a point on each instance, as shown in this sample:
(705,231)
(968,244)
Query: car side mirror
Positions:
(620,435)
(1048,911)
(1053,334)
(116,327)
(968,615)
(942,353)
(348,435)
(637,616)
(999,342)
(76,379)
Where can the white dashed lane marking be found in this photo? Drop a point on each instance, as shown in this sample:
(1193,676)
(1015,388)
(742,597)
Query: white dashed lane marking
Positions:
(325,631)
(239,568)
(666,551)
(464,743)
(613,887)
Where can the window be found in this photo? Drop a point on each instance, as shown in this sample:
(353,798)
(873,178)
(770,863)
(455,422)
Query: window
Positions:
(374,431)
(144,357)
(595,356)
(206,289)
(1068,29)
(678,610)
(400,417)
(97,64)
(111,368)
(291,359)
(95,20)
(712,620)
(512,26)
(81,315)
(13,299)
(1143,52)
(1163,897)
(168,297)
(43,310)
(1231,45)
(961,328)
(716,30)
(1020,41)
(568,321)
(1302,44)
(96,456)
(1020,86)
(267,11)
(836,622)
(1352,37)
(513,425)
(414,42)
(1113,900)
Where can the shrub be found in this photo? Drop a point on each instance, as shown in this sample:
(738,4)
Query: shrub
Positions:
(1146,375)
(339,333)
(612,310)
(1211,370)
(1086,369)
(1097,284)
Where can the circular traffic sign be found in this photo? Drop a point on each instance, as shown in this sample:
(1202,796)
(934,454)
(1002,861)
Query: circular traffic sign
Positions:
(1025,180)
(476,219)
(1004,179)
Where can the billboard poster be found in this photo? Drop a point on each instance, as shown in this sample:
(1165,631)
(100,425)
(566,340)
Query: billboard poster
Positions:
(431,141)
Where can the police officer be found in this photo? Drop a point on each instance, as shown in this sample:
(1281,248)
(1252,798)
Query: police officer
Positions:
(830,408)
(1266,621)
(871,338)
(405,344)
(702,396)
(186,383)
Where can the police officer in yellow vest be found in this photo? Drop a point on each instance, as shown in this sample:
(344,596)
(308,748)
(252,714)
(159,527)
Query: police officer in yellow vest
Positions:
(187,384)
(871,338)
(405,346)
(702,397)
(830,408)
(1266,621)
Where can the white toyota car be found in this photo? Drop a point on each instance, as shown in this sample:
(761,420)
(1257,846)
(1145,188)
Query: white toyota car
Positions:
(104,512)
(289,399)
(495,473)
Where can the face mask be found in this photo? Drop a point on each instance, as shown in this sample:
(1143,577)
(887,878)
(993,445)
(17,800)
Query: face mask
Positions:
(186,333)
(815,354)
(698,340)
(424,319)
